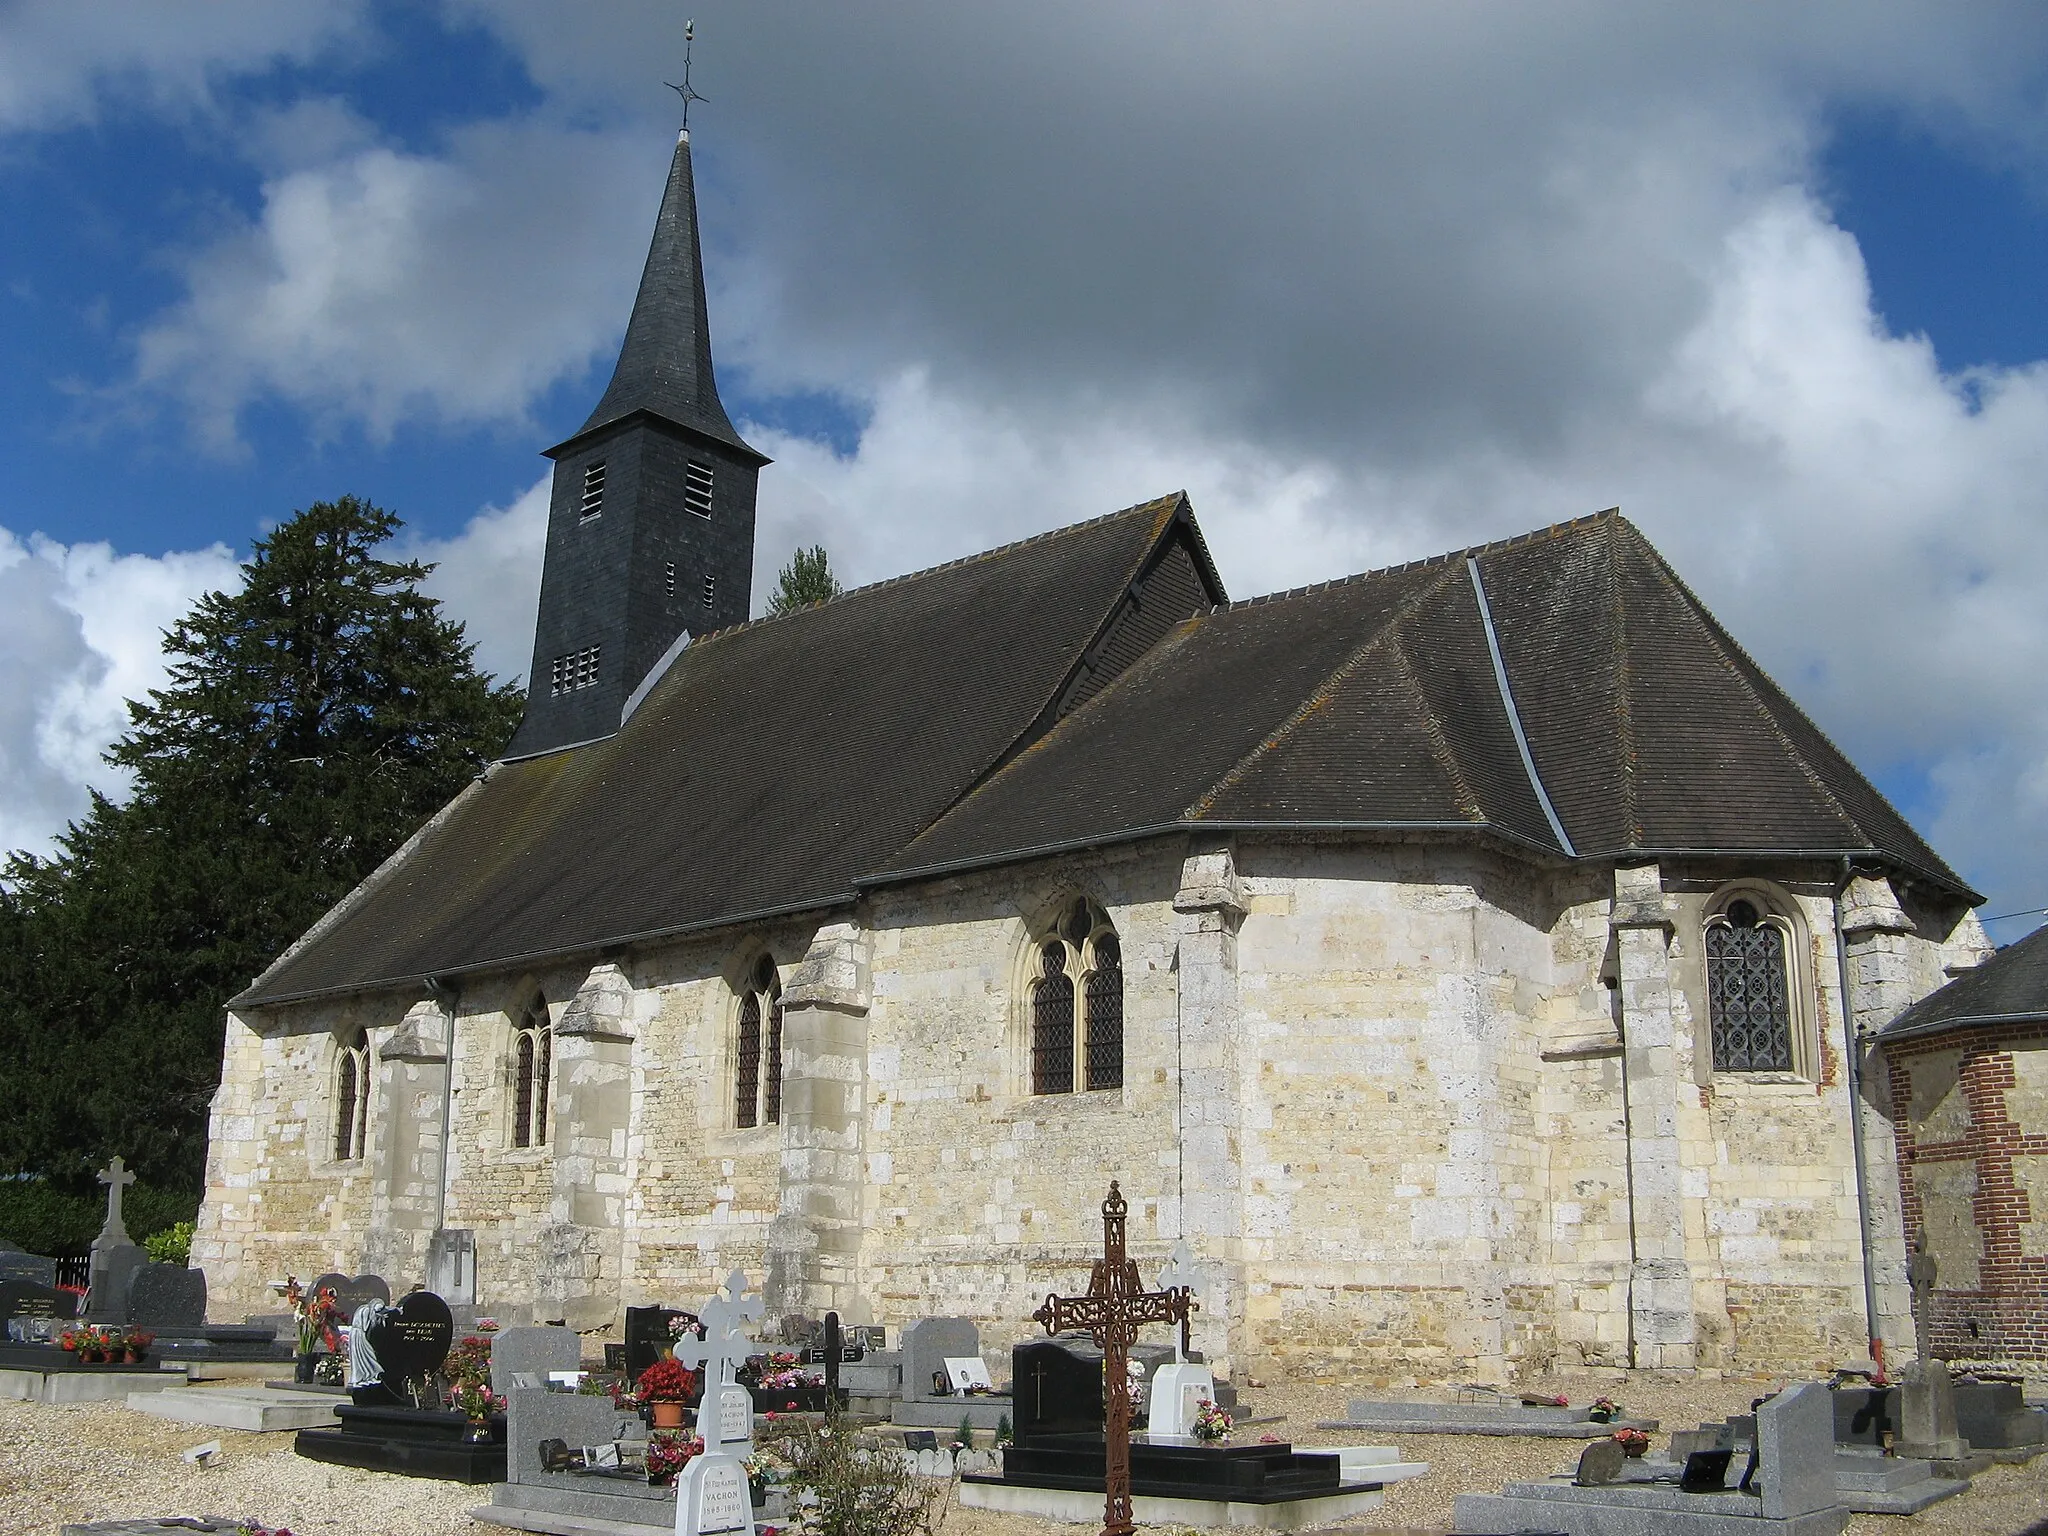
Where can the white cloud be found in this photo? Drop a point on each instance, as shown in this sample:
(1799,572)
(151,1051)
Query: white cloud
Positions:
(60,60)
(381,286)
(488,576)
(80,633)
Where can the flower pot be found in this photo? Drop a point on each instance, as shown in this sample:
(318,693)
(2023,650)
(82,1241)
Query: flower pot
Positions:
(302,1366)
(668,1415)
(137,1356)
(478,1433)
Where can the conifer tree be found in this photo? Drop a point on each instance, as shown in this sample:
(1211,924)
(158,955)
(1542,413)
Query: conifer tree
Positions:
(309,723)
(807,579)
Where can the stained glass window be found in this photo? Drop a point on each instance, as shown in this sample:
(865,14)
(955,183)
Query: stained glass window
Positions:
(352,1098)
(1105,997)
(1749,993)
(746,1099)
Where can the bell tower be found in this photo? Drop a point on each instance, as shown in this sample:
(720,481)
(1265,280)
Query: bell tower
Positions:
(651,525)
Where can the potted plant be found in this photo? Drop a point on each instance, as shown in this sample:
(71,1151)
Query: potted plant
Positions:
(137,1343)
(1605,1410)
(1211,1424)
(315,1313)
(1633,1442)
(477,1402)
(662,1389)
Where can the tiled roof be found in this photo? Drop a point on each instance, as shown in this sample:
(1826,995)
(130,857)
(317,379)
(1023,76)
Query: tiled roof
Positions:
(771,766)
(1079,689)
(2010,987)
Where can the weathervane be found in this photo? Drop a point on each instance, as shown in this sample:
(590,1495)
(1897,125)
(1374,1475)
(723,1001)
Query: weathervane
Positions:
(684,90)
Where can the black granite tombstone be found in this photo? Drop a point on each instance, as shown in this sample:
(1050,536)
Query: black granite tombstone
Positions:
(32,1267)
(647,1335)
(25,1299)
(1994,1416)
(410,1342)
(1057,1384)
(1866,1415)
(835,1348)
(167,1296)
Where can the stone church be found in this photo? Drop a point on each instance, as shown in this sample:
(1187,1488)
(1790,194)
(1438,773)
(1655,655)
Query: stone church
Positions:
(1469,959)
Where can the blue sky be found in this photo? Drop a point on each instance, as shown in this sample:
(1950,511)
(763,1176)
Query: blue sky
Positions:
(1371,282)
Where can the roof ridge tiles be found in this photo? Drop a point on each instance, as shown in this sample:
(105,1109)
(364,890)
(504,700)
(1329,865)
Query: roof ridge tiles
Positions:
(1012,547)
(1447,557)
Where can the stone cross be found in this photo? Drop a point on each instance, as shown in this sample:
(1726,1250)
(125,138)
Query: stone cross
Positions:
(1921,1270)
(725,1345)
(1181,1274)
(116,1178)
(1116,1304)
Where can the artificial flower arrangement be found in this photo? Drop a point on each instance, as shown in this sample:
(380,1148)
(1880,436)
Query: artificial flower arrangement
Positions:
(763,1471)
(1211,1422)
(1633,1442)
(680,1324)
(110,1343)
(469,1360)
(1544,1400)
(316,1313)
(257,1528)
(668,1454)
(1604,1410)
(778,1372)
(474,1399)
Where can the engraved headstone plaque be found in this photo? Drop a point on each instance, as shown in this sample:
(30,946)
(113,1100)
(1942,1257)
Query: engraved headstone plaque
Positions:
(713,1499)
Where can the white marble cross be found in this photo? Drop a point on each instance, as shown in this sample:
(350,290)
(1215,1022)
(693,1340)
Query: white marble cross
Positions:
(1180,1274)
(725,1345)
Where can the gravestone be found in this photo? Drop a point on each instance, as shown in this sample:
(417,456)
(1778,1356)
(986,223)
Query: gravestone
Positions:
(834,1345)
(351,1291)
(1057,1385)
(1795,1441)
(1994,1416)
(647,1336)
(26,1300)
(924,1348)
(115,1255)
(1600,1464)
(451,1266)
(413,1338)
(713,1498)
(533,1352)
(32,1267)
(725,1415)
(167,1296)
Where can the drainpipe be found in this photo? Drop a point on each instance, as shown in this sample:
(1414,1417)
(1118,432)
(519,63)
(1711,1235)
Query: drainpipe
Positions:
(447,997)
(1854,1057)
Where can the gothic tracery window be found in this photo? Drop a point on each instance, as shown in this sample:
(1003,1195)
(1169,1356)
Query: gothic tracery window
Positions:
(757,1087)
(351,1097)
(1749,990)
(533,1064)
(1077,1005)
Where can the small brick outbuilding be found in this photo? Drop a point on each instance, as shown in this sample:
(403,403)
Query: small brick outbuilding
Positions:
(1969,1083)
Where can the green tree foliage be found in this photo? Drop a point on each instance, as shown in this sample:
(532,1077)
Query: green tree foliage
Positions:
(807,579)
(310,722)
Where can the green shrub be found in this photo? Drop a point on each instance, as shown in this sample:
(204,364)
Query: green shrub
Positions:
(41,1218)
(173,1245)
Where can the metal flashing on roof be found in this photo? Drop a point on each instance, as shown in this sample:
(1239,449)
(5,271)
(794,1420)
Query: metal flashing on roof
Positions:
(1507,699)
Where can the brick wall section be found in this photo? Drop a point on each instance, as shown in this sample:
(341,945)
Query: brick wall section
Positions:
(1967,1110)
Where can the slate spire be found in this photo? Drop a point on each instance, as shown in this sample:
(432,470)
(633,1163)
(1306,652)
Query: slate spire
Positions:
(651,524)
(664,367)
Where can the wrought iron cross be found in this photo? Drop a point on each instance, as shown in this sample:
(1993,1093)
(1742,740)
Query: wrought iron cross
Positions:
(1116,1305)
(684,90)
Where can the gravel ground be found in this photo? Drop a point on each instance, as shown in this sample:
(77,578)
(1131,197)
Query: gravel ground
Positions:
(99,1461)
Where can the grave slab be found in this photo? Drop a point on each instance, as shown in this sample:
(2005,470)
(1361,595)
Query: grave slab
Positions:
(85,1386)
(255,1410)
(923,1348)
(1075,1507)
(520,1507)
(533,1352)
(1478,1419)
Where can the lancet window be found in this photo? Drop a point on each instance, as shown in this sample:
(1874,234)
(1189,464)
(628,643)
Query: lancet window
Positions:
(757,1088)
(1751,1005)
(351,1097)
(1077,1004)
(533,1060)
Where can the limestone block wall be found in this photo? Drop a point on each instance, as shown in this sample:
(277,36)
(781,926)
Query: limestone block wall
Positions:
(1971,1115)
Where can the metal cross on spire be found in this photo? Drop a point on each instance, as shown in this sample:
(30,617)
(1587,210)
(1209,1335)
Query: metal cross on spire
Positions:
(1116,1303)
(685,90)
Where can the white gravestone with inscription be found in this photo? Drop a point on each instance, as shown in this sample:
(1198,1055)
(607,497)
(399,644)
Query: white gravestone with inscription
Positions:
(1179,1389)
(713,1498)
